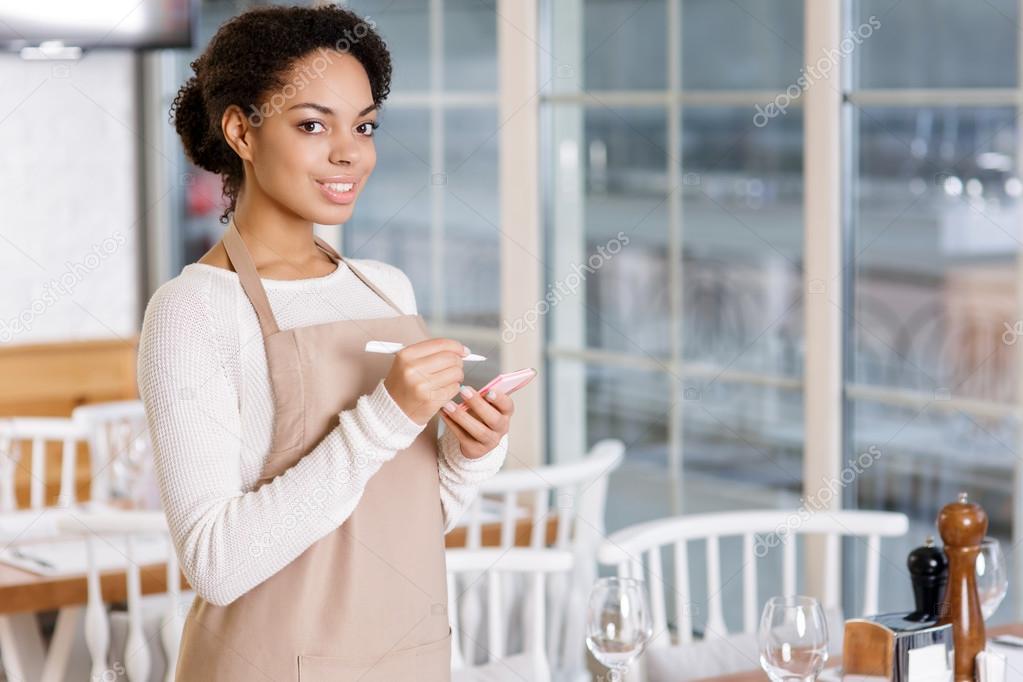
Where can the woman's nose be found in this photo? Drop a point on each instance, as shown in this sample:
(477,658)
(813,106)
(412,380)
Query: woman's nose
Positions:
(344,150)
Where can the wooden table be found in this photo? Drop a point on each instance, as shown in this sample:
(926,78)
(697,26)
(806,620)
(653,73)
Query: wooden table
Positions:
(761,676)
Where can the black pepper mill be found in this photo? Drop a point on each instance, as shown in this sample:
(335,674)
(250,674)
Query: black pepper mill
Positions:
(928,569)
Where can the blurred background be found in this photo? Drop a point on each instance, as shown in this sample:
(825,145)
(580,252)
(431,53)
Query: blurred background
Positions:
(677,123)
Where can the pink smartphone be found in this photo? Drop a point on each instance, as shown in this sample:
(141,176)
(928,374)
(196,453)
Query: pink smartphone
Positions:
(506,383)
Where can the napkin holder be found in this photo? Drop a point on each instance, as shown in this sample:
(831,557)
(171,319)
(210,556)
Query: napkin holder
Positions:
(906,647)
(892,646)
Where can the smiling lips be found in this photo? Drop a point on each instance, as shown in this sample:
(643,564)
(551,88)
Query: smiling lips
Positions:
(338,190)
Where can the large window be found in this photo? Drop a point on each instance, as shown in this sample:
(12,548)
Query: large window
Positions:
(933,189)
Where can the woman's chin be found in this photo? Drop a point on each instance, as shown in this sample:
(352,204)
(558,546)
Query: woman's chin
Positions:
(332,214)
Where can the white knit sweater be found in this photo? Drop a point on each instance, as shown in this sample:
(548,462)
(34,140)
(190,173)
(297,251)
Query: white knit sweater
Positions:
(203,378)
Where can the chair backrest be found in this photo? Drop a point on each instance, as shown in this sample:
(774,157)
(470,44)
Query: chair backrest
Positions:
(100,527)
(491,566)
(632,547)
(15,432)
(118,434)
(578,491)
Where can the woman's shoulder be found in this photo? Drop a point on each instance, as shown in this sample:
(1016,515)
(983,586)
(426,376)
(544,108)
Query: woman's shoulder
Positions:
(391,279)
(188,298)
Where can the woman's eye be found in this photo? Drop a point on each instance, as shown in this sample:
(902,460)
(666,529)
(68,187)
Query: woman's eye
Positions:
(305,126)
(368,127)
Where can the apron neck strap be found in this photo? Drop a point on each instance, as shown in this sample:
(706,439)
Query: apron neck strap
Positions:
(240,259)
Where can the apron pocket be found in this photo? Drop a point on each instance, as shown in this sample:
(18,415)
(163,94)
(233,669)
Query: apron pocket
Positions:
(429,662)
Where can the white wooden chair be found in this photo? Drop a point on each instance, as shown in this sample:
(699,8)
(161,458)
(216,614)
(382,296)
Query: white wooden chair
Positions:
(23,445)
(150,639)
(637,551)
(489,566)
(15,432)
(578,492)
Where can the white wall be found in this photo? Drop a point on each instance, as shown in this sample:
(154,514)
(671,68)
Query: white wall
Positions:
(68,213)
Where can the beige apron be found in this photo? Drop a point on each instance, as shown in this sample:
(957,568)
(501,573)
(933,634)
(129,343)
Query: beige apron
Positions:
(368,601)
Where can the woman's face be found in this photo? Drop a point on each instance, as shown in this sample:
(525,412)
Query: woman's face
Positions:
(312,146)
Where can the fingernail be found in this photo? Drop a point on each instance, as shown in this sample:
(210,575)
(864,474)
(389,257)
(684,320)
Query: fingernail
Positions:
(466,350)
(466,391)
(449,407)
(491,395)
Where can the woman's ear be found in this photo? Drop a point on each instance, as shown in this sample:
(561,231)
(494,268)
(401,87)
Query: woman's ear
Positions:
(238,131)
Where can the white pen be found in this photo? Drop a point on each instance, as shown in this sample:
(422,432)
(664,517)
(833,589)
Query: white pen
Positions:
(393,347)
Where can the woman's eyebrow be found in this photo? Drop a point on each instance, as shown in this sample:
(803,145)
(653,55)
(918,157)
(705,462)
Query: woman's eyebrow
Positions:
(327,111)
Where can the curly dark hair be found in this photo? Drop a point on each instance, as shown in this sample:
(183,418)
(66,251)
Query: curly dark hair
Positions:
(248,57)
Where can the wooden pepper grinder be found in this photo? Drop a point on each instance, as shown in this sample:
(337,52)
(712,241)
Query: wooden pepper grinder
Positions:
(962,526)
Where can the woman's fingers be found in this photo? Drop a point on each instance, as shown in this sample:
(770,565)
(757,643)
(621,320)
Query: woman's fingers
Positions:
(471,425)
(502,402)
(486,411)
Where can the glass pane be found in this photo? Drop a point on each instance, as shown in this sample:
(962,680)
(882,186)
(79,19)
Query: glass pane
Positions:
(623,46)
(754,44)
(609,233)
(470,45)
(391,222)
(936,242)
(742,216)
(936,43)
(628,404)
(472,256)
(405,27)
(743,444)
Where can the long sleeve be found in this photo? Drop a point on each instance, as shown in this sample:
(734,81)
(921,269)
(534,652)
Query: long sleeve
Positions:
(229,539)
(460,476)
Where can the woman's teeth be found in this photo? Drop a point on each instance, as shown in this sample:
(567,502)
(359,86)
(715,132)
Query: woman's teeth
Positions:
(339,186)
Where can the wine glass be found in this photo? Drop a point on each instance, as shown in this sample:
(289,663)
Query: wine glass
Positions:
(793,639)
(618,623)
(130,455)
(992,576)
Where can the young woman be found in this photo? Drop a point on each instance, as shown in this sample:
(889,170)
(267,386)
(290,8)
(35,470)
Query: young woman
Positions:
(305,485)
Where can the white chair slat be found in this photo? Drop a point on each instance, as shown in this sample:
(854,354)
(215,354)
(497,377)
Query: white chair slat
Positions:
(541,507)
(832,571)
(137,661)
(683,600)
(508,519)
(457,661)
(174,620)
(870,594)
(655,590)
(97,626)
(750,606)
(37,478)
(789,564)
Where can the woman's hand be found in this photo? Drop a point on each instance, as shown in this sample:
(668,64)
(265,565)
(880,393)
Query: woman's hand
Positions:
(425,375)
(481,426)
